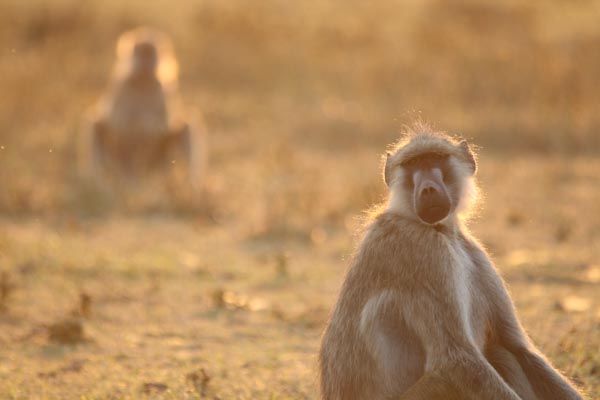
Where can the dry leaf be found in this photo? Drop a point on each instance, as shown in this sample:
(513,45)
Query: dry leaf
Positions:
(68,331)
(199,381)
(232,300)
(153,387)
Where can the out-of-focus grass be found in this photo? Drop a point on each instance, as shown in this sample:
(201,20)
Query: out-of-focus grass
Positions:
(324,77)
(170,297)
(299,99)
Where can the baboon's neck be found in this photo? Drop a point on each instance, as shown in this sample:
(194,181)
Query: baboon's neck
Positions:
(143,81)
(451,226)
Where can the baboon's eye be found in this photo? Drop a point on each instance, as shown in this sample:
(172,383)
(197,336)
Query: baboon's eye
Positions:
(447,175)
(425,160)
(411,162)
(436,157)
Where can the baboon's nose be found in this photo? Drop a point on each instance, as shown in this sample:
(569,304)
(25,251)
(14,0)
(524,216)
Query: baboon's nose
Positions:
(433,204)
(428,191)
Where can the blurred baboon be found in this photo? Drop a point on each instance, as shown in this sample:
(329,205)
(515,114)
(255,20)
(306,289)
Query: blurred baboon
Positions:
(138,126)
(423,314)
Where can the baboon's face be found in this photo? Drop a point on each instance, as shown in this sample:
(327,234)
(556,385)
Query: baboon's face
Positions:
(427,178)
(145,60)
(432,180)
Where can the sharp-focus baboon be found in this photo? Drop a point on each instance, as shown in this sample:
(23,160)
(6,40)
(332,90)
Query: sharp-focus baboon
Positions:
(423,314)
(138,126)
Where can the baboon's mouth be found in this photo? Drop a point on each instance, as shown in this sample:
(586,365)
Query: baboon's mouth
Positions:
(434,213)
(432,203)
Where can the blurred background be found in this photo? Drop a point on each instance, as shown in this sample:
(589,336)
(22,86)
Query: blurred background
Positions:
(300,99)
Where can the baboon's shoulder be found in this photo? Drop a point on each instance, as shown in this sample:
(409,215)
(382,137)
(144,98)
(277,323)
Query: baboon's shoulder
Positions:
(389,228)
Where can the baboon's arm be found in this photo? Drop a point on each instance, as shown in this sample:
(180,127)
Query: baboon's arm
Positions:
(91,144)
(186,143)
(546,381)
(468,378)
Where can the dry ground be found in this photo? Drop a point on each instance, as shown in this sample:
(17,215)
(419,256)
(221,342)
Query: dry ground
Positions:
(172,297)
(105,298)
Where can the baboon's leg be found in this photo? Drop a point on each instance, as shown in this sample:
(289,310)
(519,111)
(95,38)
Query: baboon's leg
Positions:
(433,386)
(471,378)
(161,150)
(93,150)
(182,146)
(510,370)
(114,153)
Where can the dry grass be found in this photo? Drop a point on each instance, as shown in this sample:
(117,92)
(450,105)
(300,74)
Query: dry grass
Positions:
(105,299)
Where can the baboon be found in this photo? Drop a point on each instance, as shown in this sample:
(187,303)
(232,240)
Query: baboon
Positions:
(423,313)
(138,126)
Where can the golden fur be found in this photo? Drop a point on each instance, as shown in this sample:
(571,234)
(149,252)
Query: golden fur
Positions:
(423,313)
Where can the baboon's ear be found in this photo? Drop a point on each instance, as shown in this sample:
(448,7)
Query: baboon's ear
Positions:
(387,172)
(469,156)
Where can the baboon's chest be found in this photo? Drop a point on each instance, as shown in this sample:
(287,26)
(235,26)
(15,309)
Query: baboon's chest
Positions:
(140,113)
(472,303)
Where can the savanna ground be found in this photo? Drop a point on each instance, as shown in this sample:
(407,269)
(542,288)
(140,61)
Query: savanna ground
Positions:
(105,298)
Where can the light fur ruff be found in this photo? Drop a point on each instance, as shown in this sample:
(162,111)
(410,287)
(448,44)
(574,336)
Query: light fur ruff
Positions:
(422,138)
(423,312)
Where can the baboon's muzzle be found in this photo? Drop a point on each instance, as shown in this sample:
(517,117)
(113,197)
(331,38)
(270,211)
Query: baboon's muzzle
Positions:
(432,203)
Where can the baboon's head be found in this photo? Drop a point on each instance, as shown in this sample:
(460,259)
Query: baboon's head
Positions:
(145,59)
(148,54)
(430,175)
